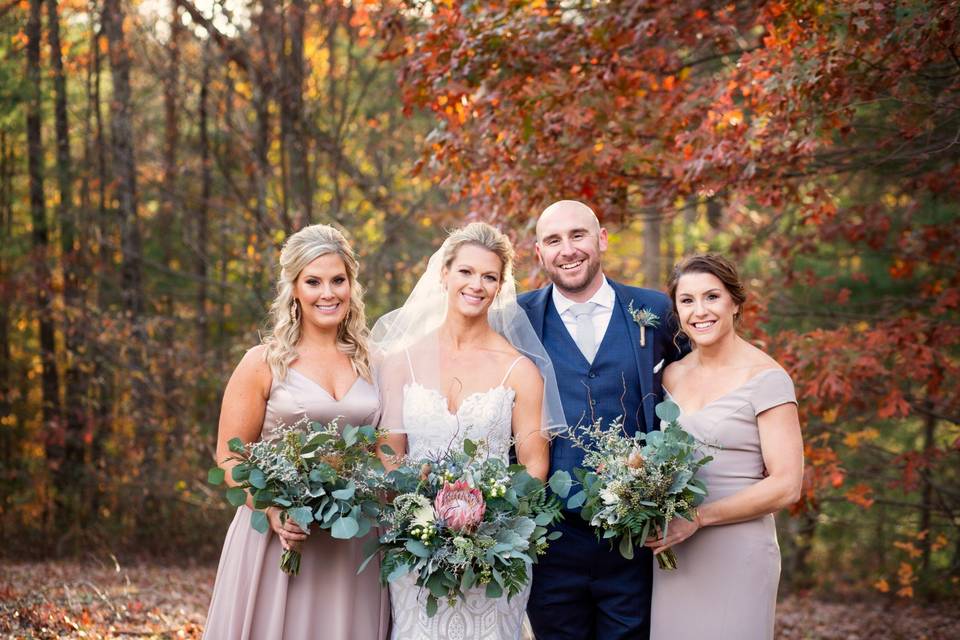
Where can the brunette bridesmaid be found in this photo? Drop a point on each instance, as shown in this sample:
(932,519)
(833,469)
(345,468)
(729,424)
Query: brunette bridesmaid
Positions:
(740,403)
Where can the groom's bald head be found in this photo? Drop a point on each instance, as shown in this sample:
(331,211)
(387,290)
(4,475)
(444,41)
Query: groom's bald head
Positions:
(570,243)
(572,212)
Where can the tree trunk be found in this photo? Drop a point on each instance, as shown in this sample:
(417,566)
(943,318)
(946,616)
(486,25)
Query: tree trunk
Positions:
(651,250)
(7,293)
(291,110)
(926,509)
(124,173)
(203,213)
(70,477)
(40,236)
(169,205)
(124,165)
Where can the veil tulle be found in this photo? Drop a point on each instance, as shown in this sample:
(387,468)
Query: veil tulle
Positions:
(405,338)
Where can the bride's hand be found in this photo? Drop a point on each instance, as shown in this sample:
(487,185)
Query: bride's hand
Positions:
(290,534)
(679,530)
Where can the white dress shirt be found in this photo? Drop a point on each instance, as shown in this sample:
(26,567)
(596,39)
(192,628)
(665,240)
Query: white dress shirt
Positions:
(603,298)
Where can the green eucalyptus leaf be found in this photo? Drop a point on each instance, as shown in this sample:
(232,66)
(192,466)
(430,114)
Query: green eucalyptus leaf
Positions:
(237,496)
(577,500)
(257,479)
(668,411)
(626,547)
(303,516)
(346,493)
(417,548)
(349,435)
(468,579)
(398,572)
(387,450)
(259,521)
(216,475)
(344,528)
(560,483)
(235,445)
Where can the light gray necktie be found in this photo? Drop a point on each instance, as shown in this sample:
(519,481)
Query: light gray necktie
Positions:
(583,312)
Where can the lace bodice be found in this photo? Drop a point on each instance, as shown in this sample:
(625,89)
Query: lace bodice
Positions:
(483,416)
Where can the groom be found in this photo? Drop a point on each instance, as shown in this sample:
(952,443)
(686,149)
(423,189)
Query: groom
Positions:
(583,588)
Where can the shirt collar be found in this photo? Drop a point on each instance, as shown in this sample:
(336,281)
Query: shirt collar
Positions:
(603,297)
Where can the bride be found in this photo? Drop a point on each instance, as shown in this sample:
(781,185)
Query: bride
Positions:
(460,360)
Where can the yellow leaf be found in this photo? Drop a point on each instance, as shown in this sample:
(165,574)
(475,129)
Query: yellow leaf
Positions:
(939,543)
(882,585)
(911,550)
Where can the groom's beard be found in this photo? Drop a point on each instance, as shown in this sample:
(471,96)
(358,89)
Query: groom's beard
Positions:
(568,283)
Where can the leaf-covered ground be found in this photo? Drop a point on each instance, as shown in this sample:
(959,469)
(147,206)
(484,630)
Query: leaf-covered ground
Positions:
(107,600)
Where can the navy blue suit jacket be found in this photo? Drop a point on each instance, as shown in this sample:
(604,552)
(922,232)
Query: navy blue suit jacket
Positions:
(660,340)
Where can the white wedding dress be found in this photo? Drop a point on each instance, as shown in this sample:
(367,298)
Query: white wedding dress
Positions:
(431,428)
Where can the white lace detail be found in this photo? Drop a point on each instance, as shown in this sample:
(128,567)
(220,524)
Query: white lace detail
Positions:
(483,416)
(431,428)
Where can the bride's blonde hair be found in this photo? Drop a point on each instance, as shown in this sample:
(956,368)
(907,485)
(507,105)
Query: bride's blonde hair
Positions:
(484,236)
(284,333)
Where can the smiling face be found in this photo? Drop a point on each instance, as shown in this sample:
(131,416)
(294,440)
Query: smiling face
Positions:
(323,289)
(472,280)
(705,308)
(570,243)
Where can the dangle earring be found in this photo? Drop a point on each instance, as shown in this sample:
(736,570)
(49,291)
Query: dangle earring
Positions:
(295,311)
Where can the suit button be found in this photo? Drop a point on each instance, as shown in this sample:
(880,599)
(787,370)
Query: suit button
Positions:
(593,374)
(593,403)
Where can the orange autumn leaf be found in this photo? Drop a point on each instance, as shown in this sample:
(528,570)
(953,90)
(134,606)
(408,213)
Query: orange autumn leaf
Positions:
(860,495)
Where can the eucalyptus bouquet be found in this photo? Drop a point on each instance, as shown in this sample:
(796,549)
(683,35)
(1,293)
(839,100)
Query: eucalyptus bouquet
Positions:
(463,519)
(315,474)
(634,484)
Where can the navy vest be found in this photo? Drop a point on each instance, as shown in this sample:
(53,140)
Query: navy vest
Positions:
(605,390)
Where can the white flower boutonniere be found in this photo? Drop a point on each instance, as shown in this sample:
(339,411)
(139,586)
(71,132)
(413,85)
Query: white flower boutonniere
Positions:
(644,318)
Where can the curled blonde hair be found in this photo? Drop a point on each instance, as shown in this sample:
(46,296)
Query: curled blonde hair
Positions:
(482,235)
(284,333)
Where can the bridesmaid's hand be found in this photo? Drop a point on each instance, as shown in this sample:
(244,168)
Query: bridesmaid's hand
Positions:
(289,532)
(679,530)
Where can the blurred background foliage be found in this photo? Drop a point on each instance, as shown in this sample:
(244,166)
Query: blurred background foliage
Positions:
(154,154)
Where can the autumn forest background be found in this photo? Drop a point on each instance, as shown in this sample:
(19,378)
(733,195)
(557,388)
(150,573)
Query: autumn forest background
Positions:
(154,155)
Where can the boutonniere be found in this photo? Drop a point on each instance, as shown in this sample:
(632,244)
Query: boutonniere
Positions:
(644,318)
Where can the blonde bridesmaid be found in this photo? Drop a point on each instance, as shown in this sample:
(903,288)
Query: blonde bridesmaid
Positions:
(312,365)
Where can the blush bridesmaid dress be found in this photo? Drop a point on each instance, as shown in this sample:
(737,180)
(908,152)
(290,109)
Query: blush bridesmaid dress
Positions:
(252,598)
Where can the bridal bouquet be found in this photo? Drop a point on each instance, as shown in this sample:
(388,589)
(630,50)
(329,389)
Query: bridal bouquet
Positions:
(462,520)
(315,475)
(633,484)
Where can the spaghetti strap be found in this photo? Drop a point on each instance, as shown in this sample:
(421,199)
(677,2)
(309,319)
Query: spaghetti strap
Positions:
(410,364)
(507,375)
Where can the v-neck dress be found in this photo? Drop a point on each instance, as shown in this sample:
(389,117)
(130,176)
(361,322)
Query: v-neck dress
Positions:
(727,575)
(252,598)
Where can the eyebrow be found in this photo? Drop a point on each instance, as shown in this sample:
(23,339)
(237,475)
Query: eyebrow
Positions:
(313,275)
(714,290)
(572,231)
(486,273)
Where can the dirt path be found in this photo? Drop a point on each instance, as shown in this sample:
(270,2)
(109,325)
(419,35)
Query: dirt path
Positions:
(106,600)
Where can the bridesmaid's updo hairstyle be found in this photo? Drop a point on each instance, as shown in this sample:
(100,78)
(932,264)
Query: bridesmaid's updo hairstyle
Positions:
(485,236)
(716,265)
(284,333)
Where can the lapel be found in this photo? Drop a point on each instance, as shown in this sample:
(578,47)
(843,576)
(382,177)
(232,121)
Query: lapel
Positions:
(643,357)
(538,309)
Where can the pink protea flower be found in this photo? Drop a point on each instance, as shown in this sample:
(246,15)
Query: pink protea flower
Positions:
(460,506)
